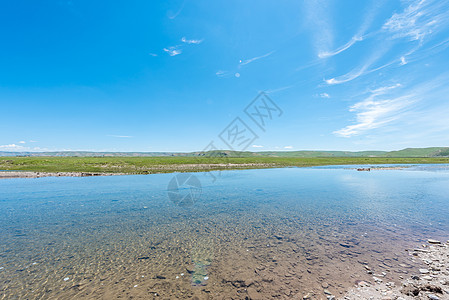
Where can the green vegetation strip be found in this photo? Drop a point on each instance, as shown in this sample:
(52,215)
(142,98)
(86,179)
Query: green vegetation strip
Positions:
(150,165)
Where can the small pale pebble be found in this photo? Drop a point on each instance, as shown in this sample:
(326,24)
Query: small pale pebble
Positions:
(135,285)
(423,271)
(67,278)
(35,263)
(143,276)
(433,297)
(182,274)
(206,277)
(377,279)
(177,277)
(1,268)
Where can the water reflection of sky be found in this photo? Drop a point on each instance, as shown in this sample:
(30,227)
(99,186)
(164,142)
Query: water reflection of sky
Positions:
(127,215)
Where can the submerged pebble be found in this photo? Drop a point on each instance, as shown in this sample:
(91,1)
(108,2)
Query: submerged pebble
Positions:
(67,278)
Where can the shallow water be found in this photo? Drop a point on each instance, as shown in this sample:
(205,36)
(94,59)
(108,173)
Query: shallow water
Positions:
(266,233)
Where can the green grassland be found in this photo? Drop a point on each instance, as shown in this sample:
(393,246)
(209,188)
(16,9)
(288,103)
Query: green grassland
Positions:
(408,152)
(148,165)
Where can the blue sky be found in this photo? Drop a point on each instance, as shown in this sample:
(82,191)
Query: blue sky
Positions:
(171,75)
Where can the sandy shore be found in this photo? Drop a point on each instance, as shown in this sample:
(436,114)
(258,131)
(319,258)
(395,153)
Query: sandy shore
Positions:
(431,282)
(31,174)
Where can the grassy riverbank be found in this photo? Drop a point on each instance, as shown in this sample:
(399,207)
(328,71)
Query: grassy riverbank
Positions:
(149,165)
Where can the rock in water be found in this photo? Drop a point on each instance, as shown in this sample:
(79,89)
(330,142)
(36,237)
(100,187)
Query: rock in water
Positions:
(433,241)
(308,296)
(253,294)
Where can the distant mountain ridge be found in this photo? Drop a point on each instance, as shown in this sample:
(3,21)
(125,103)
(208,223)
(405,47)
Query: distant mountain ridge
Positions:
(408,152)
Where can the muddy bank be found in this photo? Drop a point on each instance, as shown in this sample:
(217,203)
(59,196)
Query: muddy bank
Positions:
(31,174)
(156,169)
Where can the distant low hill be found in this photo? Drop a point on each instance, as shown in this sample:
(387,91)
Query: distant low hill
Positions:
(408,152)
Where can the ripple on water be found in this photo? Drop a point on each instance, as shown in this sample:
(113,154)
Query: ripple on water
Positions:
(264,232)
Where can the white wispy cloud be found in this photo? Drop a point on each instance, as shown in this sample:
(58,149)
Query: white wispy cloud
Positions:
(325,54)
(172,15)
(317,15)
(423,123)
(31,141)
(20,148)
(363,69)
(248,61)
(257,146)
(22,142)
(177,49)
(13,147)
(221,73)
(359,36)
(288,147)
(120,136)
(347,77)
(324,95)
(403,61)
(373,113)
(272,91)
(384,89)
(418,19)
(173,51)
(152,54)
(187,41)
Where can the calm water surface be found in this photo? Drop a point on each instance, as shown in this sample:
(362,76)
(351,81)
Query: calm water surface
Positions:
(263,233)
